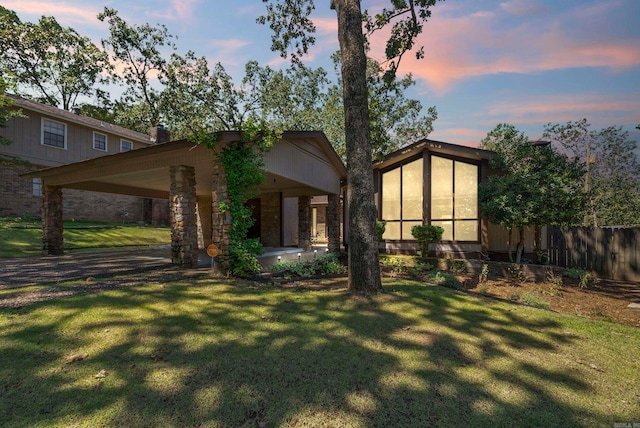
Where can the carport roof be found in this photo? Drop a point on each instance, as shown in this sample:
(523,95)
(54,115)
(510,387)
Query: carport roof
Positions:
(300,163)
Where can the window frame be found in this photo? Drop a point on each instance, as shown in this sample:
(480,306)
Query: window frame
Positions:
(401,220)
(36,189)
(453,218)
(106,141)
(122,144)
(42,133)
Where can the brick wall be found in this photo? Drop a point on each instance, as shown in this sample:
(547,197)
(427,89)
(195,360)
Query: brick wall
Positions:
(18,200)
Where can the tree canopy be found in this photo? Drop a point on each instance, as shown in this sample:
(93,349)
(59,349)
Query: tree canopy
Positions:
(52,62)
(536,186)
(612,181)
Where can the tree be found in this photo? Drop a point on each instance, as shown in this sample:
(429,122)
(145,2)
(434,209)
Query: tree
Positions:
(612,179)
(537,185)
(136,48)
(6,103)
(394,119)
(51,61)
(293,34)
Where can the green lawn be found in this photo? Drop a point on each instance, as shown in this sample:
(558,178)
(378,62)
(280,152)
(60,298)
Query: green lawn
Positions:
(215,352)
(17,241)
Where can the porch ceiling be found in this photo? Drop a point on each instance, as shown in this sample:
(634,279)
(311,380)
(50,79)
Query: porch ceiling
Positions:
(301,163)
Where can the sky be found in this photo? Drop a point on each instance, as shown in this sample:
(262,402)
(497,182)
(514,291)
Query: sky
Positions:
(523,62)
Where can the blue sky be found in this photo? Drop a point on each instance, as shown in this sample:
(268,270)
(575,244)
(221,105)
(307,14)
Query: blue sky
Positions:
(525,62)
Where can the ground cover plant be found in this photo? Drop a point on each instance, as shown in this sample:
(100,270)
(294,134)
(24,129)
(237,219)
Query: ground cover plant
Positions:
(191,350)
(20,237)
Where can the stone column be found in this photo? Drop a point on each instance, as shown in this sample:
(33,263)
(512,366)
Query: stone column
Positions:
(52,226)
(333,223)
(304,222)
(220,220)
(270,219)
(182,200)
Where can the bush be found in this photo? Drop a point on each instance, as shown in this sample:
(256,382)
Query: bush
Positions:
(419,269)
(484,274)
(530,298)
(397,265)
(446,280)
(587,279)
(425,234)
(242,259)
(457,266)
(381,225)
(574,273)
(324,265)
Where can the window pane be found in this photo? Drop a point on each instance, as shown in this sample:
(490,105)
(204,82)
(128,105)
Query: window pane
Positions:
(125,146)
(99,141)
(53,134)
(466,195)
(391,196)
(406,229)
(441,188)
(466,230)
(37,186)
(447,235)
(392,230)
(412,191)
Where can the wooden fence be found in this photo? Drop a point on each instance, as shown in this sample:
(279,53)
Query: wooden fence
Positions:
(612,252)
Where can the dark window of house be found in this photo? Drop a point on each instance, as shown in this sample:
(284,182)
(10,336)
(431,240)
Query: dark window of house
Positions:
(125,146)
(99,141)
(54,134)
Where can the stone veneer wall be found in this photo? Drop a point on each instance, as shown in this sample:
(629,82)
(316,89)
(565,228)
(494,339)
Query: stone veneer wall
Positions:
(182,200)
(270,219)
(304,222)
(221,221)
(333,222)
(52,223)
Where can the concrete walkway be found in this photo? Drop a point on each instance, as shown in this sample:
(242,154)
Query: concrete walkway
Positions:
(25,271)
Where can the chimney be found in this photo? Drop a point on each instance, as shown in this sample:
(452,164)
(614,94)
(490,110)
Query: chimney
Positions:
(75,109)
(160,134)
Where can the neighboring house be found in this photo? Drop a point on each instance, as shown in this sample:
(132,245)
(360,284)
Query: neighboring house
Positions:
(432,182)
(48,136)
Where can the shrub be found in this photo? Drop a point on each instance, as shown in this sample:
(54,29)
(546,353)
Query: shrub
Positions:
(574,273)
(457,266)
(242,259)
(484,274)
(323,265)
(381,225)
(587,280)
(419,269)
(446,280)
(530,298)
(396,264)
(425,234)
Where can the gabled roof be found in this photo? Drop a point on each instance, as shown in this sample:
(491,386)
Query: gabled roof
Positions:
(79,119)
(433,146)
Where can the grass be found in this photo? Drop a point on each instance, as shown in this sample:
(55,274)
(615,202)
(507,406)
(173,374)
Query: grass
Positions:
(24,238)
(214,352)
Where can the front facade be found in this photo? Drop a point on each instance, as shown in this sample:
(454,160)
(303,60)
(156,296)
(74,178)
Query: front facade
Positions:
(432,182)
(48,136)
(299,166)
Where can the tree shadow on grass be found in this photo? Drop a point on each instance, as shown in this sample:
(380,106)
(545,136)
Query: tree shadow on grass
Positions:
(205,353)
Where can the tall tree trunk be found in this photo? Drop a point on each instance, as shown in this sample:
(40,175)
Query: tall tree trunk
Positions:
(520,248)
(509,244)
(364,270)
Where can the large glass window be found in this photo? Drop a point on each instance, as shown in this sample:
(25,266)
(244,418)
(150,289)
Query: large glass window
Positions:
(402,190)
(454,198)
(54,134)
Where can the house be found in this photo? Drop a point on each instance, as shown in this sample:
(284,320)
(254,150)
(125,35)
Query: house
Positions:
(433,182)
(300,165)
(47,137)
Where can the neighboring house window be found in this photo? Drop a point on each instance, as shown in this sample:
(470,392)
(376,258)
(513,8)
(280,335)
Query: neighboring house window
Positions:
(54,134)
(37,186)
(454,198)
(99,141)
(402,190)
(125,146)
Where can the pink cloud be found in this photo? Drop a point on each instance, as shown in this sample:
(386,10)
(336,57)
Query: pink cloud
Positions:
(64,12)
(459,47)
(464,136)
(227,50)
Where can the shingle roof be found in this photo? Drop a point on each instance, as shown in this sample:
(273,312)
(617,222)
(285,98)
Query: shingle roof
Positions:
(80,119)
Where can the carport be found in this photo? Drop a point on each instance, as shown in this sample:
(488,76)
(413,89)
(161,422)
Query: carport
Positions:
(300,165)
